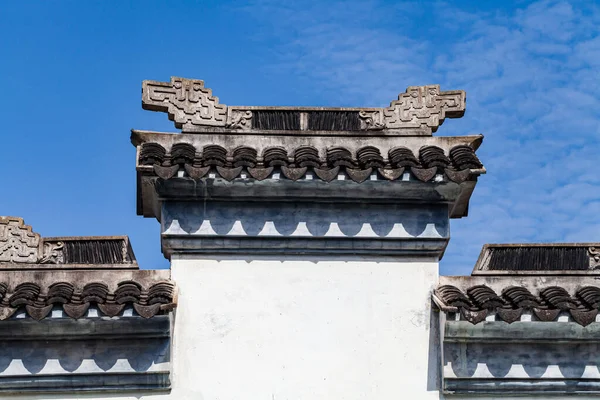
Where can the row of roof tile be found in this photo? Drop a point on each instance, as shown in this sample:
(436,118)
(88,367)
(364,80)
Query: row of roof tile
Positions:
(432,160)
(38,301)
(478,301)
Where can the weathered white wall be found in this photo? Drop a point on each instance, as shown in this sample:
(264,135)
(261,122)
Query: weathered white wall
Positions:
(301,330)
(298,330)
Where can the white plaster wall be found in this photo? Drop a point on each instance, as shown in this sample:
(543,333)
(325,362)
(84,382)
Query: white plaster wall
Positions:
(295,330)
(302,330)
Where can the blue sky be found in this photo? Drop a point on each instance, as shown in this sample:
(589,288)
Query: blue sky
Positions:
(72,71)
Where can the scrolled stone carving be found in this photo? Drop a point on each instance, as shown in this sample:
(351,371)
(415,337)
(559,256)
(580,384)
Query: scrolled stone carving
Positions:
(53,253)
(188,103)
(326,163)
(372,120)
(18,244)
(239,119)
(39,299)
(594,253)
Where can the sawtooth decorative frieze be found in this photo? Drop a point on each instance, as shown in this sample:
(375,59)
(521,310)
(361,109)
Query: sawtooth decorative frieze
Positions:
(418,111)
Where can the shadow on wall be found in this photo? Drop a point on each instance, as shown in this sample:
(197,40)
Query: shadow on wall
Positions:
(434,362)
(543,360)
(286,219)
(115,355)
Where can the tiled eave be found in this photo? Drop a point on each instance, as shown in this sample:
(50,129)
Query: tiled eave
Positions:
(519,336)
(258,146)
(85,294)
(511,299)
(222,167)
(95,330)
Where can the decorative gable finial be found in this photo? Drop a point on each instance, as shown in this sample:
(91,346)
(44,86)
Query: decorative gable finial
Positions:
(187,102)
(418,107)
(418,111)
(18,244)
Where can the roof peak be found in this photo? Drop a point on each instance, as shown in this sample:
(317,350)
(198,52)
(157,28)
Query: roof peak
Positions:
(419,111)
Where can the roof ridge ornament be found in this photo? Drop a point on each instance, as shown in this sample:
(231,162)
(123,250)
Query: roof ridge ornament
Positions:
(418,112)
(187,102)
(21,248)
(418,107)
(18,243)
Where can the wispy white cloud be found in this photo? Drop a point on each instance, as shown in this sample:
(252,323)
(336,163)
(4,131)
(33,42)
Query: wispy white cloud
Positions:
(531,76)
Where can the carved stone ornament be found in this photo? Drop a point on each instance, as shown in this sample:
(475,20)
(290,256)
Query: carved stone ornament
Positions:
(53,253)
(419,107)
(187,102)
(193,108)
(594,253)
(18,244)
(373,120)
(239,119)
